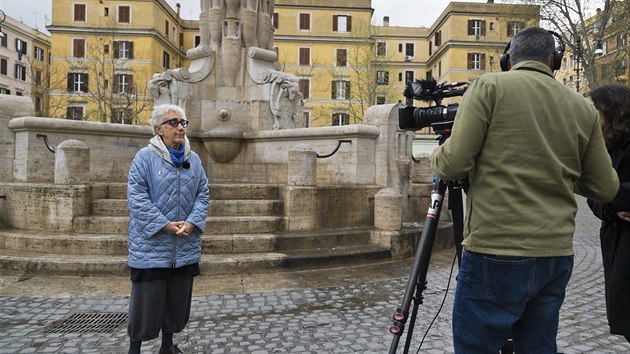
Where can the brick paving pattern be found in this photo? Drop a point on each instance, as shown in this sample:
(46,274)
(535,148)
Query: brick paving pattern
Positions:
(344,319)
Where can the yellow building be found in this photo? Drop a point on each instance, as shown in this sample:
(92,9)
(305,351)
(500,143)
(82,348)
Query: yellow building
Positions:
(465,41)
(104,53)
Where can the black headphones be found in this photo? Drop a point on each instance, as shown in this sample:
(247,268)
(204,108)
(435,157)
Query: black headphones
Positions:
(557,54)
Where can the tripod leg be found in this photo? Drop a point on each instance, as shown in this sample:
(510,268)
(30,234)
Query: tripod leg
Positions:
(417,278)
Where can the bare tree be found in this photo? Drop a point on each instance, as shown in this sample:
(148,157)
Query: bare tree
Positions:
(582,32)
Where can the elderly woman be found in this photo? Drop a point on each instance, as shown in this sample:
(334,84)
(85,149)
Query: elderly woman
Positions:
(168,202)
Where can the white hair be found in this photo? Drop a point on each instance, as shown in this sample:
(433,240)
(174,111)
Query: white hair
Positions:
(159,111)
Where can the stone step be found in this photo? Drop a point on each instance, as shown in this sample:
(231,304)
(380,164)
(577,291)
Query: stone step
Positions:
(217,191)
(28,262)
(116,244)
(239,207)
(214,224)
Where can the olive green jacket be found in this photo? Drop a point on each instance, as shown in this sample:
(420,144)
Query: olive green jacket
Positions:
(528,144)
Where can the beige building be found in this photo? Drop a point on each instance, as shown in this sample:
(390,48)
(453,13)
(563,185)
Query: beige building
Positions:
(24,54)
(104,53)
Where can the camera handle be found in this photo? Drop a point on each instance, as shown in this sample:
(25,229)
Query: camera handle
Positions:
(417,279)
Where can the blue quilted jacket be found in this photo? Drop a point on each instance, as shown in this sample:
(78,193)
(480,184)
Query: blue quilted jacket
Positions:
(158,193)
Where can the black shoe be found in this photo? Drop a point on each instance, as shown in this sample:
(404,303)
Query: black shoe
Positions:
(171,350)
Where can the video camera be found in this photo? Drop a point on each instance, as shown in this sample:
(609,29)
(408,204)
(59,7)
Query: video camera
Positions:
(439,117)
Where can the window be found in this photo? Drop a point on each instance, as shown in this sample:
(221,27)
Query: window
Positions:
(410,50)
(275,20)
(19,93)
(342,23)
(409,76)
(21,46)
(121,116)
(400,77)
(74,113)
(382,77)
(181,41)
(106,12)
(514,27)
(124,14)
(430,47)
(79,13)
(5,91)
(77,82)
(39,53)
(4,40)
(20,72)
(124,83)
(381,49)
(340,90)
(342,57)
(197,41)
(304,22)
(438,38)
(440,67)
(339,119)
(3,66)
(476,28)
(476,61)
(166,27)
(380,99)
(166,60)
(305,56)
(123,50)
(400,47)
(78,48)
(38,76)
(305,88)
(106,49)
(174,39)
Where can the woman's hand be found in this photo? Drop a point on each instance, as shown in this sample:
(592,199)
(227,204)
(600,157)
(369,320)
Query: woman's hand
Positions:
(186,229)
(624,215)
(173,227)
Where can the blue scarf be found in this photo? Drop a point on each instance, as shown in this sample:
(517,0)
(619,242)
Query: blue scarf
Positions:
(177,156)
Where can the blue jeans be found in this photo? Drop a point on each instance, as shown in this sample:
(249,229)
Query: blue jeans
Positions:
(501,297)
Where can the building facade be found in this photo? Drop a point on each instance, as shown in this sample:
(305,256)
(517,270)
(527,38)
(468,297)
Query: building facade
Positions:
(24,57)
(105,52)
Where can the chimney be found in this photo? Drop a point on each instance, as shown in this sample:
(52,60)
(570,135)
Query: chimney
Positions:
(386,21)
(179,6)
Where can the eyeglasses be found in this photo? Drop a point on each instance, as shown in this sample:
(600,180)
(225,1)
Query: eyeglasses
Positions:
(175,122)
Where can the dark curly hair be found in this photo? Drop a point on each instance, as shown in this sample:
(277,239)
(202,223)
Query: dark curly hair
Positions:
(613,102)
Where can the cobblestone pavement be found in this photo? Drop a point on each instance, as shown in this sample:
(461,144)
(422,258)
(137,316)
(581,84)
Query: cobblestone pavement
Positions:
(352,318)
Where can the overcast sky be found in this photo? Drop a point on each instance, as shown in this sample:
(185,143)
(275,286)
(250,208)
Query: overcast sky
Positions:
(37,13)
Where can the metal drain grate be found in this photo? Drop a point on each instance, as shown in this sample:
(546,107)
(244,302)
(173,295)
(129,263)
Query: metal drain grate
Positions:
(88,322)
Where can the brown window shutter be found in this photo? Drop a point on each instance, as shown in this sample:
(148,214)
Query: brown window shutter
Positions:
(334,90)
(85,87)
(483,27)
(130,50)
(349,23)
(79,48)
(348,90)
(276,19)
(335,23)
(116,83)
(482,59)
(70,82)
(305,56)
(509,30)
(116,49)
(130,88)
(470,61)
(471,31)
(79,12)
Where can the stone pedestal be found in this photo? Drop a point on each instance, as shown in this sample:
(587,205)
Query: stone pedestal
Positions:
(388,210)
(72,163)
(302,168)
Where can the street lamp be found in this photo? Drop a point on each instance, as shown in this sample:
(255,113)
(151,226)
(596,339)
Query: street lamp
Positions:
(578,62)
(2,18)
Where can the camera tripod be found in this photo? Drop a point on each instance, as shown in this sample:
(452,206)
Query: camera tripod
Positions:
(417,279)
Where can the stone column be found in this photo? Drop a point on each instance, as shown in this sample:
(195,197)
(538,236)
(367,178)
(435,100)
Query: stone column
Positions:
(302,169)
(72,163)
(301,205)
(388,210)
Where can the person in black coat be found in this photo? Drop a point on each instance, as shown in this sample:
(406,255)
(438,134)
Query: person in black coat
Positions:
(613,103)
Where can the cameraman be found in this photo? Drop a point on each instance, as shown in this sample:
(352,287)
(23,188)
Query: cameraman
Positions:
(528,144)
